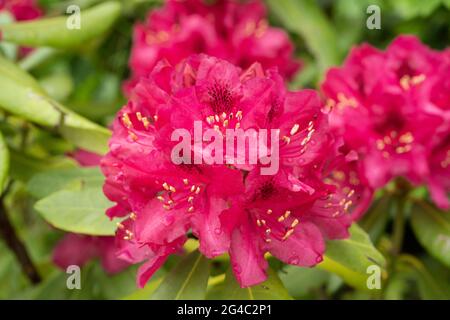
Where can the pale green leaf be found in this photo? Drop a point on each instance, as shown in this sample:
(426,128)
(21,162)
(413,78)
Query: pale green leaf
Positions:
(81,211)
(53,32)
(351,257)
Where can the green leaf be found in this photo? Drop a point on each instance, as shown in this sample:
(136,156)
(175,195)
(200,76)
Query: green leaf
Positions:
(187,281)
(45,183)
(432,229)
(301,282)
(53,32)
(413,8)
(4,162)
(305,18)
(271,289)
(21,95)
(81,211)
(146,292)
(351,257)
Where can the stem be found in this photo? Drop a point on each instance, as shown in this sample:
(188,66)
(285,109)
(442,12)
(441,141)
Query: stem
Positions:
(15,244)
(399,227)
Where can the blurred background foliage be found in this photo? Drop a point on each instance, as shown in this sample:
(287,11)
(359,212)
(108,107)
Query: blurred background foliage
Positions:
(88,81)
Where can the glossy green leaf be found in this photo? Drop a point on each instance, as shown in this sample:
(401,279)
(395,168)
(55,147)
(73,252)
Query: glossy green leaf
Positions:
(145,293)
(46,183)
(187,281)
(305,18)
(432,229)
(79,211)
(4,162)
(303,282)
(54,32)
(21,95)
(271,289)
(351,257)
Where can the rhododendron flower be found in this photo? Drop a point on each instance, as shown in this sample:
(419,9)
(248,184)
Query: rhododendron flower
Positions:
(228,29)
(21,9)
(76,249)
(230,207)
(391,108)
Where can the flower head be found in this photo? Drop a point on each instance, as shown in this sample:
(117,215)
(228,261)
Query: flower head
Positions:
(76,249)
(231,30)
(231,206)
(391,107)
(21,9)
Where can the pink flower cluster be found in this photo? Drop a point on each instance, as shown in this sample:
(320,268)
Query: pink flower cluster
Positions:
(21,9)
(76,249)
(228,29)
(229,208)
(392,108)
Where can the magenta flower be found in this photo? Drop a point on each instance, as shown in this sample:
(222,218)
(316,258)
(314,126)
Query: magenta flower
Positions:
(387,106)
(75,249)
(229,206)
(231,30)
(21,9)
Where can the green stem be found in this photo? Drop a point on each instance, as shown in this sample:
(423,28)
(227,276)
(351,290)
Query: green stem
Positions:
(399,227)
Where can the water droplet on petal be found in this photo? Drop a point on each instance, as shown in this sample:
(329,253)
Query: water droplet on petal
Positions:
(218,231)
(169,220)
(115,147)
(293,260)
(319,259)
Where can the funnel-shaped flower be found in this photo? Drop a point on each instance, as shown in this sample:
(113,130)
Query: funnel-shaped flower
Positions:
(231,30)
(167,193)
(76,249)
(391,107)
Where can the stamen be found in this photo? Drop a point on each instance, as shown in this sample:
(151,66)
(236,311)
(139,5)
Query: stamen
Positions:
(126,121)
(120,226)
(288,234)
(294,129)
